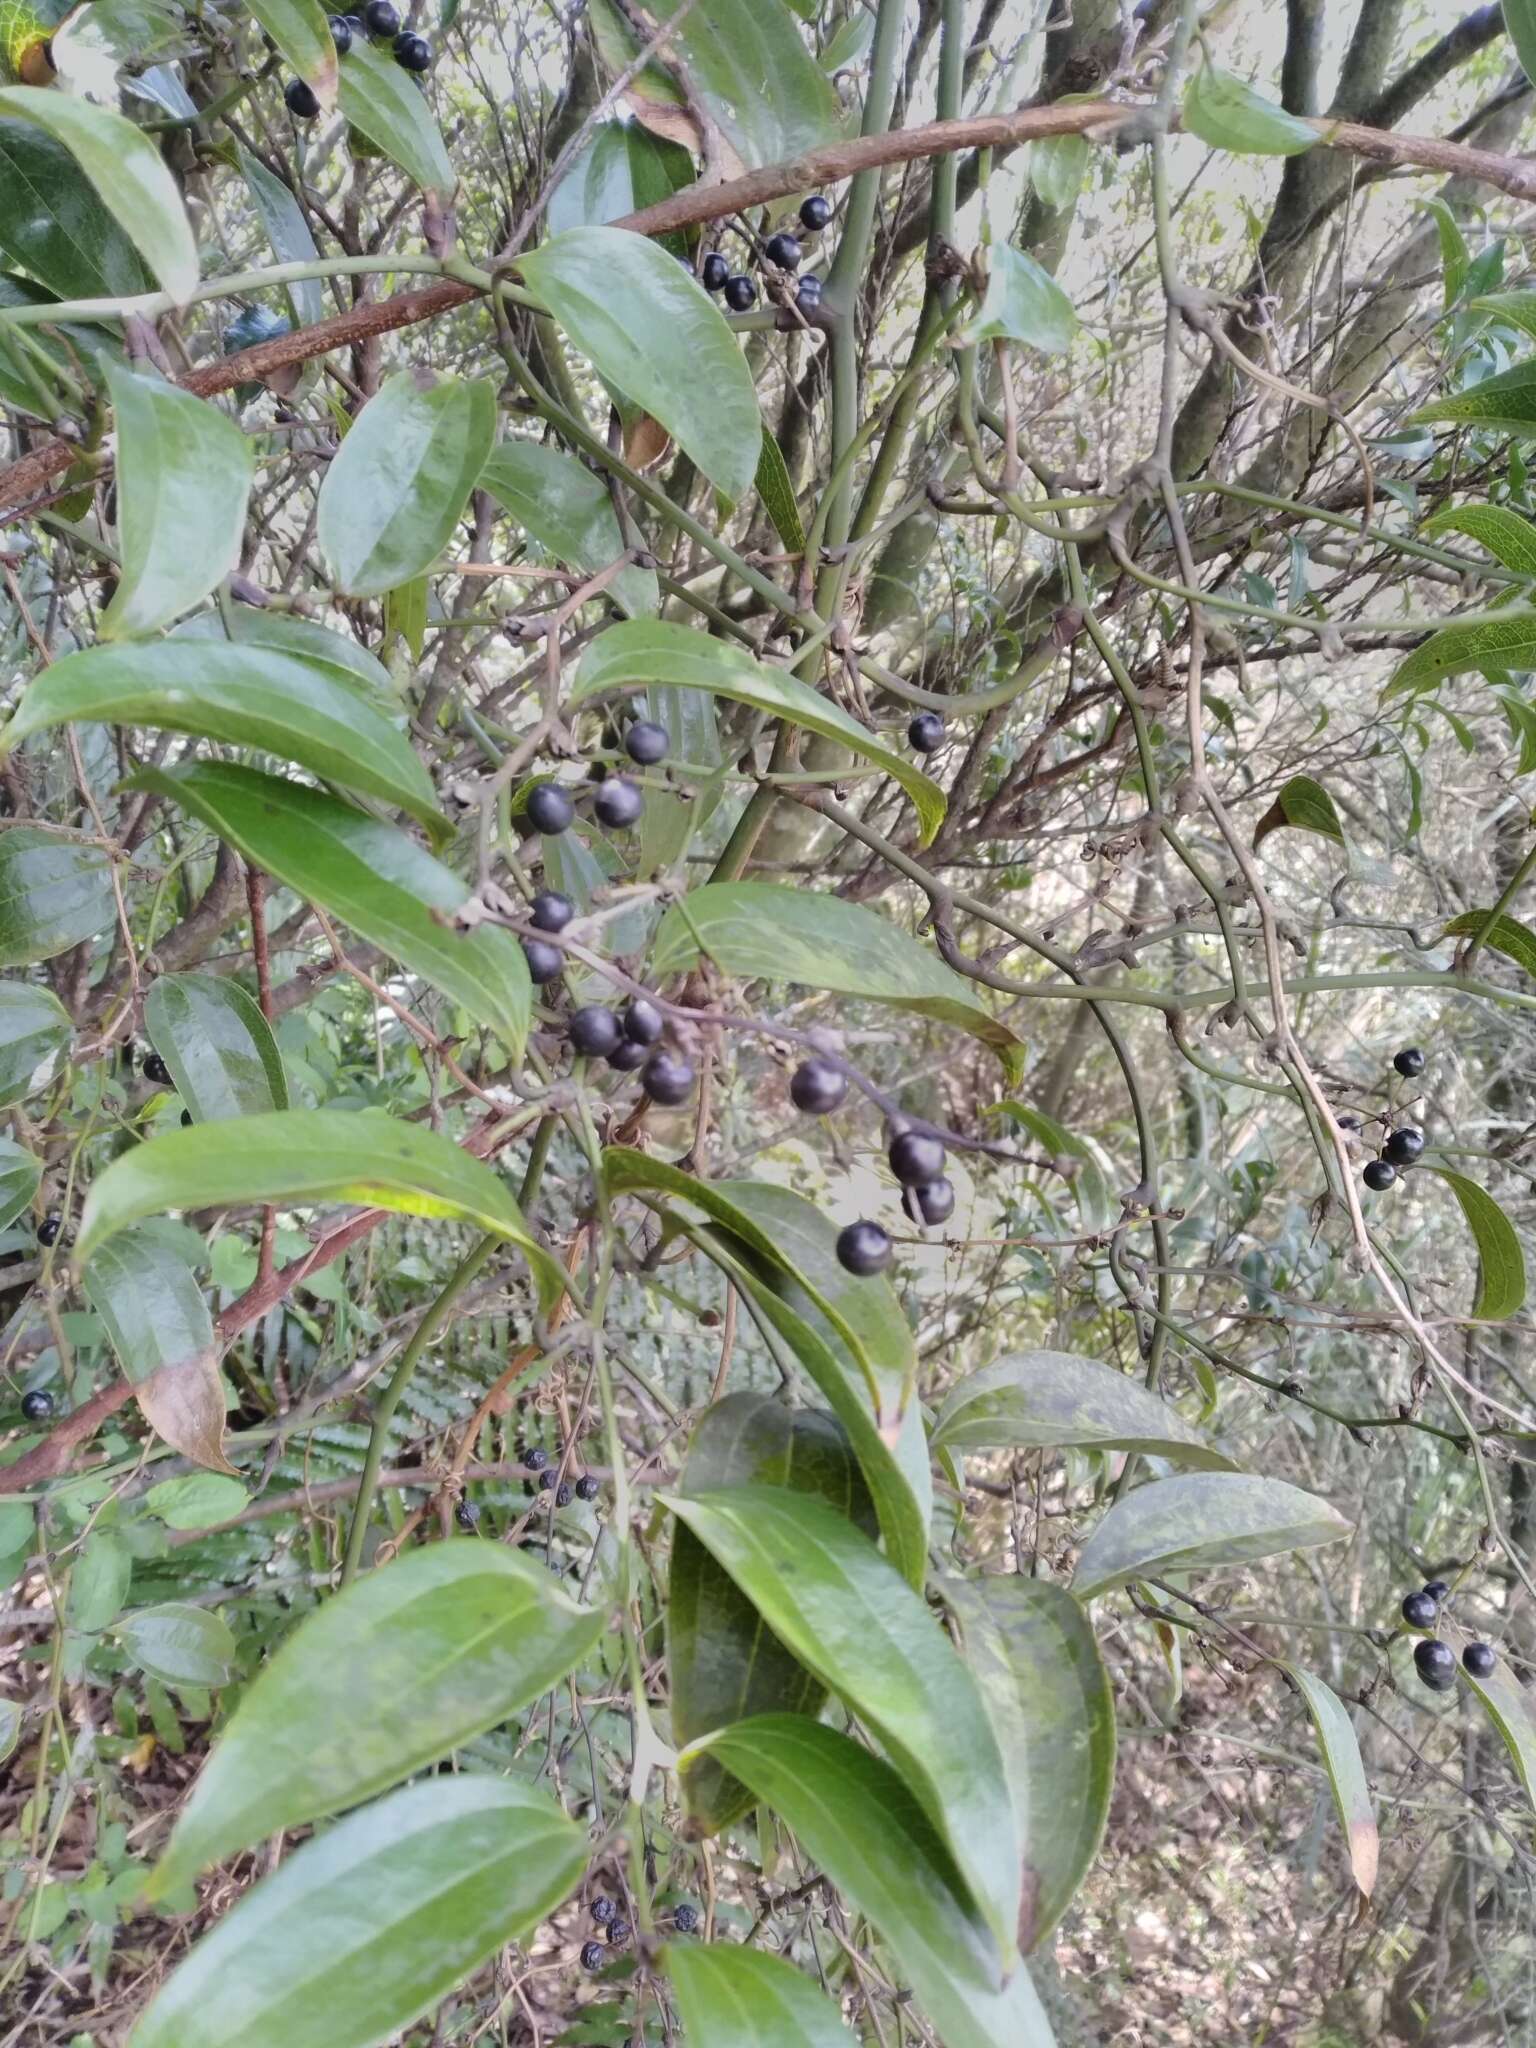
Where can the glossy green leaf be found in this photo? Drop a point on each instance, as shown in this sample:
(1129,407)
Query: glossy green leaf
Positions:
(1044,1683)
(303,36)
(368,1926)
(435,1649)
(1520,21)
(651,330)
(197,1500)
(54,892)
(294,1157)
(55,225)
(1502,934)
(34,1029)
(568,511)
(778,494)
(1500,1255)
(400,481)
(621,170)
(1304,804)
(179,1644)
(366,873)
(287,232)
(98,1582)
(1055,1399)
(1058,165)
(1346,1773)
(1505,403)
(302,639)
(736,1997)
(1097,1204)
(218,1046)
(644,653)
(1507,537)
(857,1820)
(1517,308)
(384,103)
(69,343)
(1508,642)
(1201,1521)
(1228,114)
(161,1333)
(763,932)
(20,1172)
(1023,302)
(1513,1714)
(129,175)
(722,1664)
(851,1618)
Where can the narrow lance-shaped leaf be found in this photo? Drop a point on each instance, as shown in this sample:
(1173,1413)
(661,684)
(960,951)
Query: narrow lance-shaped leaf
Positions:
(161,1333)
(383,103)
(1502,934)
(374,1922)
(1198,1522)
(294,1156)
(737,1997)
(1506,536)
(218,1046)
(1346,1773)
(288,233)
(1500,1255)
(1056,1399)
(435,1649)
(1508,642)
(778,494)
(1505,403)
(1098,1206)
(303,35)
(1513,1714)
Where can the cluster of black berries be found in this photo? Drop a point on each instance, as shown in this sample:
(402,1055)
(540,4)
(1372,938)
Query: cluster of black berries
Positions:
(1404,1144)
(615,1929)
(1434,1660)
(783,252)
(380,19)
(917,1160)
(545,1480)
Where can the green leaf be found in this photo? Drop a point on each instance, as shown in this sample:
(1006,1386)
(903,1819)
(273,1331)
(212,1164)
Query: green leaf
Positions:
(1511,1712)
(69,343)
(34,1029)
(303,639)
(623,169)
(568,511)
(1044,1683)
(1096,1203)
(218,1046)
(129,175)
(1517,309)
(763,932)
(247,696)
(1023,302)
(303,35)
(384,103)
(161,1333)
(366,873)
(850,1617)
(54,225)
(1058,165)
(179,1644)
(98,1582)
(432,1650)
(748,64)
(650,652)
(1506,403)
(196,1501)
(298,1156)
(1507,537)
(54,892)
(1508,642)
(778,494)
(1227,114)
(400,481)
(1306,805)
(1346,1773)
(373,1923)
(20,1172)
(1199,1522)
(10,1726)
(722,1664)
(1054,1399)
(183,476)
(1501,1259)
(1520,21)
(1454,256)
(856,1818)
(287,232)
(737,1997)
(1506,935)
(649,328)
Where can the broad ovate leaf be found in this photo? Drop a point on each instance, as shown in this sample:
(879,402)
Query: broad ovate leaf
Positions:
(1502,934)
(1303,803)
(162,1336)
(34,1029)
(54,892)
(1057,1399)
(179,1644)
(55,225)
(567,510)
(20,1173)
(1507,536)
(1505,403)
(1501,643)
(1228,114)
(218,1046)
(1023,302)
(1201,1521)
(737,1997)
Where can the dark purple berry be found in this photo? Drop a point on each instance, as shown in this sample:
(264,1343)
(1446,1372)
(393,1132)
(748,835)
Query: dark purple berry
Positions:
(37,1404)
(1409,1062)
(562,1495)
(1437,1589)
(740,294)
(926,732)
(1479,1659)
(548,809)
(592,1955)
(642,1021)
(627,1057)
(382,18)
(551,911)
(412,52)
(466,1514)
(646,742)
(715,272)
(341,34)
(817,1087)
(587,1488)
(783,250)
(604,1911)
(930,1201)
(915,1158)
(618,803)
(1404,1146)
(667,1078)
(1435,1663)
(1379,1174)
(685,1918)
(154,1069)
(815,212)
(544,962)
(536,1458)
(594,1031)
(863,1248)
(186,1119)
(1420,1610)
(618,1933)
(49,1230)
(809,292)
(301,100)
(547,1479)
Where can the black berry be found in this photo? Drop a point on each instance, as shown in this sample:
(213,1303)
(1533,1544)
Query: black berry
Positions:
(382,17)
(809,292)
(815,212)
(551,911)
(685,1918)
(618,1932)
(1379,1174)
(302,103)
(1437,1589)
(740,294)
(926,732)
(1409,1061)
(1404,1146)
(592,1955)
(930,1201)
(604,1911)
(1420,1610)
(618,803)
(562,1495)
(49,1229)
(594,1031)
(863,1248)
(548,809)
(667,1078)
(1435,1664)
(715,272)
(915,1158)
(536,1458)
(466,1514)
(154,1069)
(1349,1123)
(817,1087)
(546,1479)
(642,1021)
(1479,1659)
(412,52)
(783,250)
(587,1487)
(341,34)
(544,962)
(647,742)
(37,1404)
(186,1119)
(627,1057)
